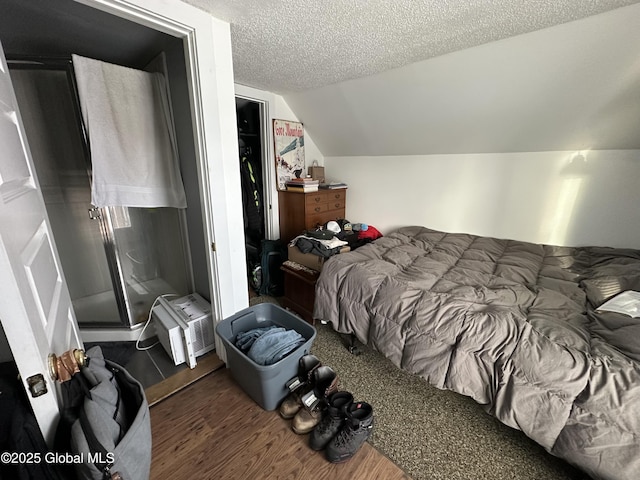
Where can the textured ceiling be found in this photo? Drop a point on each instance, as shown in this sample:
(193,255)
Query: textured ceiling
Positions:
(287,46)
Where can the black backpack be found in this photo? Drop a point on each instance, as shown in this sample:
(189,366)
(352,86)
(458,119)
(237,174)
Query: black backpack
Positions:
(273,254)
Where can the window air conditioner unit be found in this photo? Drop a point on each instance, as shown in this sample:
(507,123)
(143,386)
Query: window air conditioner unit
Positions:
(184,327)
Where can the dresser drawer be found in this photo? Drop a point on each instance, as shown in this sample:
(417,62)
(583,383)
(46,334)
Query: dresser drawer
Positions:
(312,221)
(319,208)
(325,196)
(333,195)
(318,198)
(335,205)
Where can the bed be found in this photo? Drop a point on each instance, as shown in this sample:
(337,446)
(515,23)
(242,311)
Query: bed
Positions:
(511,324)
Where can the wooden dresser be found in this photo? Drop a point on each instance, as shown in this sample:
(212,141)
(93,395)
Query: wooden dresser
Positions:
(305,211)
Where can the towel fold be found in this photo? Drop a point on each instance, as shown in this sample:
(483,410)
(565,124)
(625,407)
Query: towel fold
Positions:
(128,121)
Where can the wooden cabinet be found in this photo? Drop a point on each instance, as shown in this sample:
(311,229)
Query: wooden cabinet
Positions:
(299,291)
(305,211)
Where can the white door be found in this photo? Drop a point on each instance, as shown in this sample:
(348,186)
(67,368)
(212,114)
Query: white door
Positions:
(35,306)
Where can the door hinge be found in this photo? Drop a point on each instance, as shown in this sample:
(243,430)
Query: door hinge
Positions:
(95,213)
(213,246)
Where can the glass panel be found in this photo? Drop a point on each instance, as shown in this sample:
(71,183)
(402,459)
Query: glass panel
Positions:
(151,250)
(46,106)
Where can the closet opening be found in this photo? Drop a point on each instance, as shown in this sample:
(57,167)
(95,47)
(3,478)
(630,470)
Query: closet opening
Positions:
(251,121)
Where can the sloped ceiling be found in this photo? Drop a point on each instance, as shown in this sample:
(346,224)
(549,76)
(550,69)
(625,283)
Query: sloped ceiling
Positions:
(413,77)
(571,87)
(286,46)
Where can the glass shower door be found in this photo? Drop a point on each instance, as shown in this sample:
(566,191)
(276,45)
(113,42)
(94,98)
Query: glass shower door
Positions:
(152,255)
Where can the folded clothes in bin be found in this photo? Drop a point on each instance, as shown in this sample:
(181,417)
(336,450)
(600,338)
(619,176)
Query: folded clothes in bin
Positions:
(244,340)
(268,345)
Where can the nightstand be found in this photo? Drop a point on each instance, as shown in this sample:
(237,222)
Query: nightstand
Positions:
(299,290)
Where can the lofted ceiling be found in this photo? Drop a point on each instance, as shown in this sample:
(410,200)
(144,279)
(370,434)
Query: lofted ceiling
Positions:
(408,77)
(287,46)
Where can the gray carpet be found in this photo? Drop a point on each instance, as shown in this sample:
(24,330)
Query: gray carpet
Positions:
(434,434)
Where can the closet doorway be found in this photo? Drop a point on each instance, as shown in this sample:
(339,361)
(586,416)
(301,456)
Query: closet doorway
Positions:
(251,120)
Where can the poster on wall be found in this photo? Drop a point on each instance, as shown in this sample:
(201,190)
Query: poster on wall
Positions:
(288,139)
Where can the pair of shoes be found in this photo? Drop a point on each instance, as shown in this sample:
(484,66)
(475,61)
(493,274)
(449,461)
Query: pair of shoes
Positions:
(324,382)
(344,428)
(299,386)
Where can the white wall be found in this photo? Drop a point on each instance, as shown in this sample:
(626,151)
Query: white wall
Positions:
(562,198)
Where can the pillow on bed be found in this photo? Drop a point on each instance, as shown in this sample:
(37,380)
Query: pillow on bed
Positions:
(601,289)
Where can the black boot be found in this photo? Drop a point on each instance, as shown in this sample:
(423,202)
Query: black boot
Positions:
(356,430)
(332,421)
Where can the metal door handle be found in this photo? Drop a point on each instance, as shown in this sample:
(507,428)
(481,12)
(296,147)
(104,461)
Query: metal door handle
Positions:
(64,366)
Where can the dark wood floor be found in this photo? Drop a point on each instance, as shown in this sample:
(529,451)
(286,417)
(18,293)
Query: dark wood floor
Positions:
(213,430)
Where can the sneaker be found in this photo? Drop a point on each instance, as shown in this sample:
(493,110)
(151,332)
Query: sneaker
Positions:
(356,430)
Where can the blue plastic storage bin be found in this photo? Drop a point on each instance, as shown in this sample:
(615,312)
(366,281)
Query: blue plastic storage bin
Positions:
(265,384)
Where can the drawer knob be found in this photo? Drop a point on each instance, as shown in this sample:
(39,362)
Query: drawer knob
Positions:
(318,209)
(337,195)
(317,199)
(337,205)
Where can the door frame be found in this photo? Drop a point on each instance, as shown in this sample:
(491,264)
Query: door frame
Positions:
(267,161)
(209,70)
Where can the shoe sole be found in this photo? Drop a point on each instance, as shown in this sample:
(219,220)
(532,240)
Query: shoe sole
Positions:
(349,457)
(317,448)
(302,432)
(288,417)
(341,460)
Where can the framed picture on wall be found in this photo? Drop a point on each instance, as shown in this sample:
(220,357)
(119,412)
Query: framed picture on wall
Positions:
(288,140)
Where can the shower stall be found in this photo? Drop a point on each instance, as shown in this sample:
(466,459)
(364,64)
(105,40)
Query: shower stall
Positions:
(116,260)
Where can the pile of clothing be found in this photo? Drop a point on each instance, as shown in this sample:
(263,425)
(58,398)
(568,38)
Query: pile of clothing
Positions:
(335,235)
(268,345)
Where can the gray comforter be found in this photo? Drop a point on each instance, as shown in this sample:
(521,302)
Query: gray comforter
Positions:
(509,323)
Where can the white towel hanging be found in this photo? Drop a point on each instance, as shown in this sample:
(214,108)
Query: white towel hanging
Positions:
(127,118)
